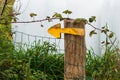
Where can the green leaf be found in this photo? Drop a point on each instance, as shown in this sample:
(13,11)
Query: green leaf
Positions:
(93,18)
(54,15)
(57,15)
(67,12)
(105,31)
(33,14)
(90,20)
(92,32)
(111,35)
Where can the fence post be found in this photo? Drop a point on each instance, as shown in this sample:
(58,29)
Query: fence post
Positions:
(75,52)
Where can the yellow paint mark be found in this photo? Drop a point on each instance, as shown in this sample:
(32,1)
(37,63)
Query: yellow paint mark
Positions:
(56,31)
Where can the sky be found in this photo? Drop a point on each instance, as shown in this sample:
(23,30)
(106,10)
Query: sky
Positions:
(106,11)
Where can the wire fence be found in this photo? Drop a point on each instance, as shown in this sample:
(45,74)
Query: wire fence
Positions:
(29,40)
(49,60)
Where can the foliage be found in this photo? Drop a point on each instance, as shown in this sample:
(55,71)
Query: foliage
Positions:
(92,18)
(105,67)
(5,29)
(36,63)
(67,12)
(92,32)
(33,14)
(57,15)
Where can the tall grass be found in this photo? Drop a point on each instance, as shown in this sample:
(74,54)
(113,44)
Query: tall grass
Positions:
(38,62)
(105,67)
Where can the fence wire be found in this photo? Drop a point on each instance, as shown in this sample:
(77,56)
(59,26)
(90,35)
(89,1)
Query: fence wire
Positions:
(29,40)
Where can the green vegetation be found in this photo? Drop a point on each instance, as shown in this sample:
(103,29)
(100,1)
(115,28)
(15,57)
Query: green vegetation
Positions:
(5,27)
(42,62)
(36,63)
(106,67)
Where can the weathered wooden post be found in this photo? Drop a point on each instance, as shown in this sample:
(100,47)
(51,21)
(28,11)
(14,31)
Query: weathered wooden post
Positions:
(75,49)
(75,52)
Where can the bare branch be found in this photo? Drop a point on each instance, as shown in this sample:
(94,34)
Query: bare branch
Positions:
(33,21)
(94,26)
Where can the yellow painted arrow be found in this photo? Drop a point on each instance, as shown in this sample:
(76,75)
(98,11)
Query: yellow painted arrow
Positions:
(56,31)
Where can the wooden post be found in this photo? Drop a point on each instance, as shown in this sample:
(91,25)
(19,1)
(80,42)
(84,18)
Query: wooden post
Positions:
(75,52)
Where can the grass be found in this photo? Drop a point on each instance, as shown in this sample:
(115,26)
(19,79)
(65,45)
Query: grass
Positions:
(35,63)
(105,67)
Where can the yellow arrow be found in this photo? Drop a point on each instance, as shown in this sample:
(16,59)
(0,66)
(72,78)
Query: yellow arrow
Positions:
(56,31)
